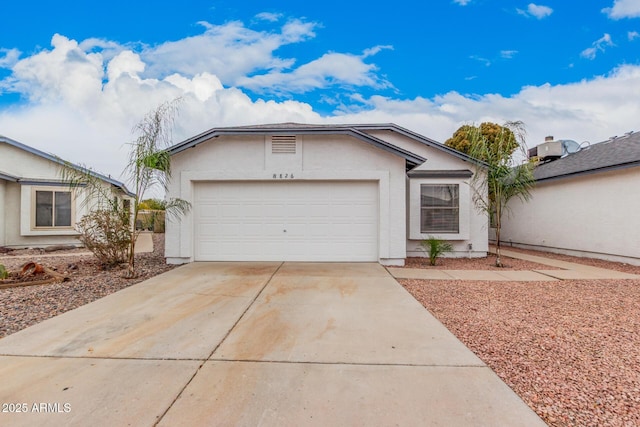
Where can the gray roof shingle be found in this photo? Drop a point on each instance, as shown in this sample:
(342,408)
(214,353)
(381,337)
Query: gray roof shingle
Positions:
(616,153)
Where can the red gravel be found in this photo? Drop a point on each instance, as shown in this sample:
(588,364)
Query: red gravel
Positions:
(487,263)
(26,306)
(618,266)
(570,349)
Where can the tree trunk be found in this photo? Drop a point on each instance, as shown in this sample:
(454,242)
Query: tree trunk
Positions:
(498,225)
(131,264)
(131,271)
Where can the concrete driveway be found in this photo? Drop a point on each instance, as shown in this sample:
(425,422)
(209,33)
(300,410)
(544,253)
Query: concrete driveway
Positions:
(252,344)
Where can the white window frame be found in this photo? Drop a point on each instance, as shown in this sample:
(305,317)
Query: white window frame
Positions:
(415,208)
(452,208)
(53,191)
(28,211)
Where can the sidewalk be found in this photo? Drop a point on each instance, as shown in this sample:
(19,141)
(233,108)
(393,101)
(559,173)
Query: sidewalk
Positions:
(569,271)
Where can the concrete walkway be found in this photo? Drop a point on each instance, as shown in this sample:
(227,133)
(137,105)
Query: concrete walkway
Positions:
(267,344)
(564,270)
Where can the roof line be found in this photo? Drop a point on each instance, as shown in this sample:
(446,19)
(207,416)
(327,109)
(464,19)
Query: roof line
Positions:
(62,162)
(8,177)
(315,130)
(421,138)
(619,166)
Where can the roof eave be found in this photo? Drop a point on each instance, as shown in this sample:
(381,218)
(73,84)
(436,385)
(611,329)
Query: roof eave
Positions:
(422,139)
(61,162)
(338,130)
(591,171)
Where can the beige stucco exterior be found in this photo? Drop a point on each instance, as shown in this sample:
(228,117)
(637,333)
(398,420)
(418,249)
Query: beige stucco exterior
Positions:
(328,158)
(594,215)
(23,171)
(472,240)
(3,190)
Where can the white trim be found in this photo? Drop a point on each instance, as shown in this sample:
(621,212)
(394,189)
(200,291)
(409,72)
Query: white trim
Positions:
(27,213)
(415,209)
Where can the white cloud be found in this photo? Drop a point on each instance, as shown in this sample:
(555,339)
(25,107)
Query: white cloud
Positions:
(462,2)
(125,63)
(587,110)
(623,9)
(508,54)
(480,59)
(597,46)
(632,35)
(332,68)
(375,50)
(65,72)
(83,101)
(8,57)
(536,11)
(228,51)
(268,16)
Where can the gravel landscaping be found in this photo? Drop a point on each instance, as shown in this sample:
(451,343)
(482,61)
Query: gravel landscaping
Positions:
(487,263)
(569,349)
(22,307)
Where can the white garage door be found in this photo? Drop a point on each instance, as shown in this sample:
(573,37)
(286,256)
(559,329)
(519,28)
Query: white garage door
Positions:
(286,221)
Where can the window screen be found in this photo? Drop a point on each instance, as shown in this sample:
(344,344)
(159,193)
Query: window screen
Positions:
(53,209)
(440,207)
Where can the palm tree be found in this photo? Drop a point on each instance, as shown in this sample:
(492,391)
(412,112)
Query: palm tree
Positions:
(149,166)
(502,180)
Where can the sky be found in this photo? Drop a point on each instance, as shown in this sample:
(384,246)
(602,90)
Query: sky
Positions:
(75,79)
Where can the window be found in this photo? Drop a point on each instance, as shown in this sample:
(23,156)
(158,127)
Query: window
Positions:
(439,208)
(53,209)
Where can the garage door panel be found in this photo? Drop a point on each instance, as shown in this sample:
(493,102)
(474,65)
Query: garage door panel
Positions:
(324,221)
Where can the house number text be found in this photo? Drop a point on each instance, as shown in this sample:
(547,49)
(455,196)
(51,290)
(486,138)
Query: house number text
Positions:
(282,176)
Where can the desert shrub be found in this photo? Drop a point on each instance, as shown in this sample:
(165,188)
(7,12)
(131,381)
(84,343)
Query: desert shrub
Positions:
(4,274)
(435,248)
(106,233)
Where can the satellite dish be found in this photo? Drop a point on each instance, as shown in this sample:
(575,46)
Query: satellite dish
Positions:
(569,146)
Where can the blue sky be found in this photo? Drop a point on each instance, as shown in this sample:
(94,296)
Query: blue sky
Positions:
(74,79)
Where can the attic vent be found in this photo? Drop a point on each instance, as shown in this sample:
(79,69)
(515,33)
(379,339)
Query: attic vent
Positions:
(283,144)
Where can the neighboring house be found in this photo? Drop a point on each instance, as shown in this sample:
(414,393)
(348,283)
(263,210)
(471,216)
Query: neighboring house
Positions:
(36,208)
(294,192)
(586,203)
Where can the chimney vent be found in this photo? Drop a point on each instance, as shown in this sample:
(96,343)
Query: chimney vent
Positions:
(548,138)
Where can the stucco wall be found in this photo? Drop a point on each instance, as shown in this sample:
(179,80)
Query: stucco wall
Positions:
(19,163)
(319,158)
(594,215)
(3,203)
(16,229)
(17,206)
(472,241)
(18,232)
(475,221)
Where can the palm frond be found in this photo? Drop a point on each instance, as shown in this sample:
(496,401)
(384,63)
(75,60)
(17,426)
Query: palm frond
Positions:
(500,181)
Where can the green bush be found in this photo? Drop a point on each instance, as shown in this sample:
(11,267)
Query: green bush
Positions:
(435,248)
(4,274)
